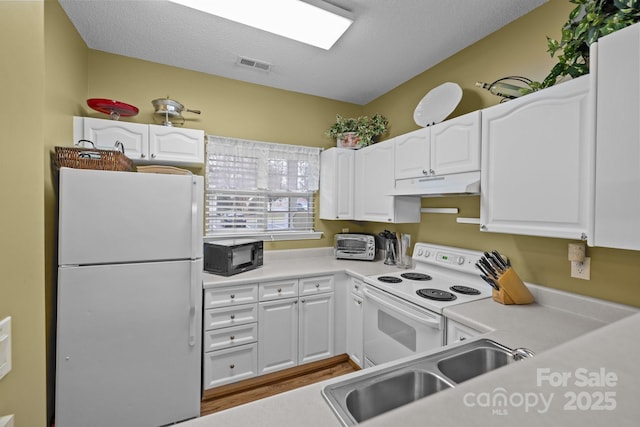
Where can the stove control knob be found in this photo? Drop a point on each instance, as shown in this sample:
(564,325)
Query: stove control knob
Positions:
(420,252)
(427,254)
(460,260)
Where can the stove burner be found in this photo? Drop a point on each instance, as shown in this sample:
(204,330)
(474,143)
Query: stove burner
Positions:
(389,279)
(416,276)
(466,290)
(436,294)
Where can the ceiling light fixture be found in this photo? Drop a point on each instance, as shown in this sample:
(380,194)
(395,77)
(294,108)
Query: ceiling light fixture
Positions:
(294,19)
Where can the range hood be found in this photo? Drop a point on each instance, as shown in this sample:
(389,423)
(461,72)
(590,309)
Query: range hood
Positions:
(467,183)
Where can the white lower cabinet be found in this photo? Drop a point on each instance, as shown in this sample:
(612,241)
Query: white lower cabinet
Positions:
(229,365)
(355,311)
(296,330)
(278,331)
(458,332)
(230,349)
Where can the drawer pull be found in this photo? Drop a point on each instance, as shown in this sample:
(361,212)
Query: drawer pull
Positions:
(359,302)
(233,316)
(232,366)
(317,285)
(302,301)
(233,296)
(279,290)
(232,337)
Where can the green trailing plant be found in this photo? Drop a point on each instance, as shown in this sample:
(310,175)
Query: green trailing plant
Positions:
(588,21)
(366,127)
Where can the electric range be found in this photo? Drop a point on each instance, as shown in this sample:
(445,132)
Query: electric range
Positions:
(442,276)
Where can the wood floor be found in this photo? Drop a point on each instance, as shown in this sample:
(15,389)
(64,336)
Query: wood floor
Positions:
(225,397)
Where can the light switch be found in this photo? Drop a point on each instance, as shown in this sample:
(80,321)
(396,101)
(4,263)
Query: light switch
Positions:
(5,346)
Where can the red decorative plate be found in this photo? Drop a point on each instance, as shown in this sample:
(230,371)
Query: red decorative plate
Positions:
(111,107)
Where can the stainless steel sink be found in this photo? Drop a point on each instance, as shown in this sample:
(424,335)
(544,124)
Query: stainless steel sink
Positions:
(462,367)
(389,393)
(365,396)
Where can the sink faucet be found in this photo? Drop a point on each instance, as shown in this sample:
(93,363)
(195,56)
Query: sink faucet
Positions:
(522,353)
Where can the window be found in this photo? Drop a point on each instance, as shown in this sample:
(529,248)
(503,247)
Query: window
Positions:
(260,189)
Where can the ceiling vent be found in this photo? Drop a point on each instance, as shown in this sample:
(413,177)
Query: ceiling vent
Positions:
(254,63)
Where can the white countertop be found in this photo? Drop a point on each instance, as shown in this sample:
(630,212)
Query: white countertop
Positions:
(567,333)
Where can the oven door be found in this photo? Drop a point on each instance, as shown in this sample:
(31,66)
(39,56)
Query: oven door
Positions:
(394,328)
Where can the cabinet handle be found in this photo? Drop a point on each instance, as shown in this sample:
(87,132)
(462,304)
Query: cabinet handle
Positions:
(359,302)
(295,302)
(302,301)
(357,287)
(232,296)
(463,338)
(425,172)
(153,156)
(317,285)
(233,316)
(279,290)
(232,337)
(142,156)
(232,366)
(432,172)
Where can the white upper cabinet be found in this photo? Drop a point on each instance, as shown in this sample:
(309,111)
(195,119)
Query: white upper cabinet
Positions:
(151,144)
(375,172)
(617,194)
(412,154)
(455,145)
(537,162)
(446,148)
(337,181)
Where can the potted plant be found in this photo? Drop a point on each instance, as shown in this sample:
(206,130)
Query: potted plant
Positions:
(587,22)
(357,132)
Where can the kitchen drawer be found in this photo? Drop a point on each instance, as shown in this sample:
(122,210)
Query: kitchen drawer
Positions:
(315,285)
(230,295)
(215,318)
(234,336)
(356,286)
(278,290)
(229,365)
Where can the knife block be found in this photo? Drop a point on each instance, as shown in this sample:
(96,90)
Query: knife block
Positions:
(512,289)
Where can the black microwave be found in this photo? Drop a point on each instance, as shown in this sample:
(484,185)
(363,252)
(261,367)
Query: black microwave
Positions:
(233,256)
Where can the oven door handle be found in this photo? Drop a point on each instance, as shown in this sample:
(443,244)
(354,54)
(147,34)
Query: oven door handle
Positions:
(431,321)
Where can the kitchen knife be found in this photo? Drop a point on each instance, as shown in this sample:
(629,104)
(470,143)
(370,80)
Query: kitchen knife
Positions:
(487,265)
(500,259)
(491,282)
(497,265)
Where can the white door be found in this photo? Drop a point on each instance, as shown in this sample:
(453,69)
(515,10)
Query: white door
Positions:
(277,335)
(355,311)
(104,134)
(412,155)
(110,217)
(316,335)
(537,163)
(455,145)
(170,145)
(128,344)
(374,181)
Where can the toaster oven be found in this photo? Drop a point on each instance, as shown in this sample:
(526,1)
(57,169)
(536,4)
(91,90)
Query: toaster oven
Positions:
(357,246)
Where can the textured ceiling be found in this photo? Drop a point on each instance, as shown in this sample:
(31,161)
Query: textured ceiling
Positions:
(390,41)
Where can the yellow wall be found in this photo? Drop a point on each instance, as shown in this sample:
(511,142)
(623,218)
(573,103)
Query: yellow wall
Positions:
(49,73)
(22,258)
(517,49)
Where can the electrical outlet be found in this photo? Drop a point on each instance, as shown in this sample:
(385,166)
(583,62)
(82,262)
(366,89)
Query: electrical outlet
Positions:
(581,270)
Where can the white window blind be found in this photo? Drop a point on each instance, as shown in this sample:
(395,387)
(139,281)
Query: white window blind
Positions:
(256,188)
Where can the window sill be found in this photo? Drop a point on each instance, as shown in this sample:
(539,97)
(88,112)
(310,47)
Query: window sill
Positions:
(267,237)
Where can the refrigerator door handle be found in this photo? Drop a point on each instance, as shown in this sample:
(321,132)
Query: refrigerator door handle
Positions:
(194,294)
(195,233)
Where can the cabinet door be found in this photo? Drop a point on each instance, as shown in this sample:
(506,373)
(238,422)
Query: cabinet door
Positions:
(455,145)
(171,145)
(374,180)
(337,181)
(316,327)
(355,343)
(277,335)
(537,163)
(412,154)
(617,200)
(105,133)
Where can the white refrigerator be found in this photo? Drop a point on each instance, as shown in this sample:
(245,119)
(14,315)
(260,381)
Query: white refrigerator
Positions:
(129,298)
